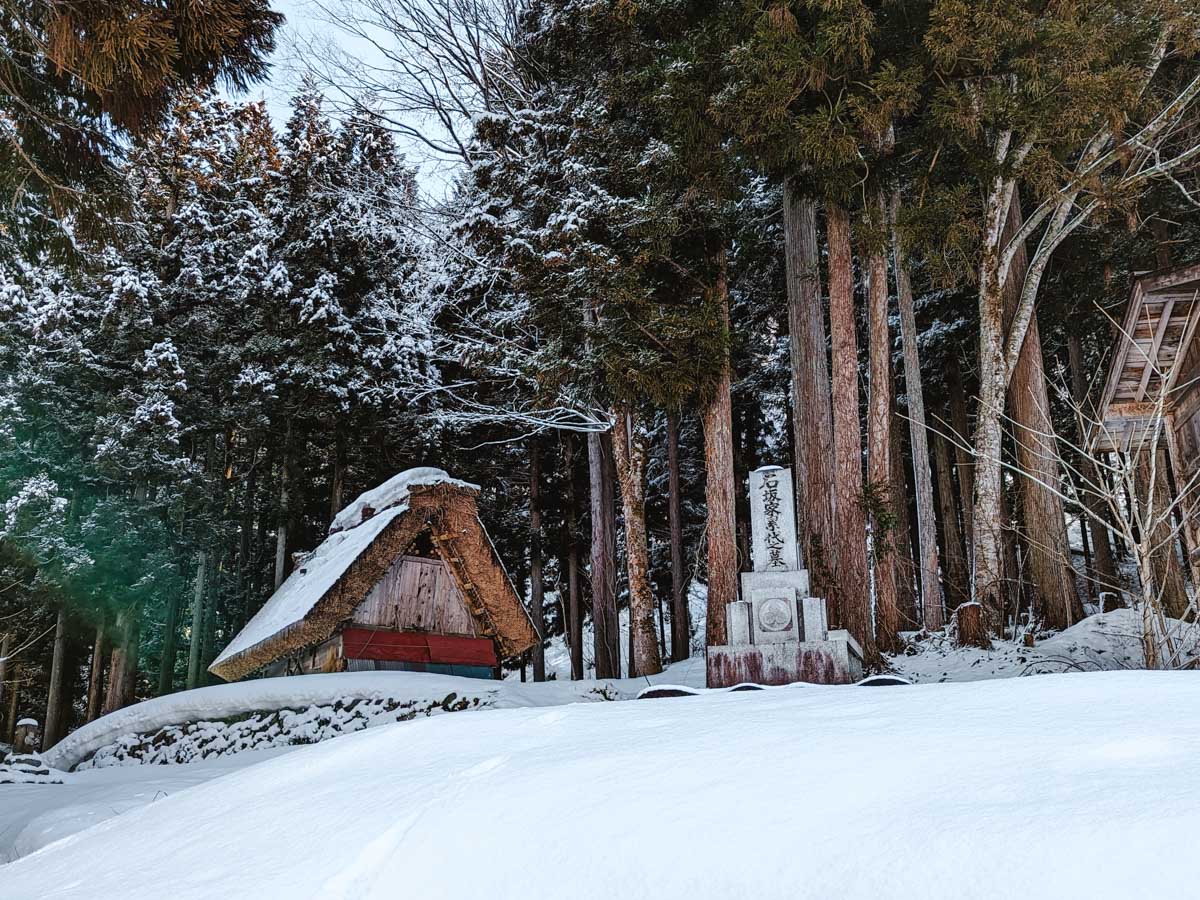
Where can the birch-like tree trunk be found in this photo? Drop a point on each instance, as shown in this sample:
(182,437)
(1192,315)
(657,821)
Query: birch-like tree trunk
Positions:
(988,584)
(53,727)
(629,453)
(879,443)
(681,632)
(720,485)
(536,591)
(605,628)
(812,415)
(932,615)
(95,695)
(854,608)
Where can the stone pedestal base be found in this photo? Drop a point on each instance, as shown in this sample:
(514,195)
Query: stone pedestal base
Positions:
(836,660)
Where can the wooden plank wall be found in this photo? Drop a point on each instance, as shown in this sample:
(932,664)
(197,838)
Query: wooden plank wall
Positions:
(416,594)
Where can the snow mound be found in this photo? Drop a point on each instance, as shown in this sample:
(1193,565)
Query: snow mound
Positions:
(193,741)
(28,768)
(303,709)
(929,791)
(1103,642)
(393,492)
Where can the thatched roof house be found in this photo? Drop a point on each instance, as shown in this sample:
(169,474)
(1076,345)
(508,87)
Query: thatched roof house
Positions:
(407,579)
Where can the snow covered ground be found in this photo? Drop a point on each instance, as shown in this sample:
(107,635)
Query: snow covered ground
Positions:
(1103,642)
(211,729)
(1056,786)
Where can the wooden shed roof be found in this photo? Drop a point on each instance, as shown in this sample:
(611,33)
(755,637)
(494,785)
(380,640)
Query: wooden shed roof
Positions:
(322,592)
(1160,322)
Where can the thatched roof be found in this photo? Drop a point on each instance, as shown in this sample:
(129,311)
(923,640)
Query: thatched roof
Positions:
(364,540)
(1160,323)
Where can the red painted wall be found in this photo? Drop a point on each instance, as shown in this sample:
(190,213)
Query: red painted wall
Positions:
(417,647)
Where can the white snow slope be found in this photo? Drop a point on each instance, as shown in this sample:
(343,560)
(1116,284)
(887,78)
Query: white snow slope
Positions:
(1057,786)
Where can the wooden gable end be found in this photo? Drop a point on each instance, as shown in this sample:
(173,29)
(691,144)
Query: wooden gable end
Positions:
(417,594)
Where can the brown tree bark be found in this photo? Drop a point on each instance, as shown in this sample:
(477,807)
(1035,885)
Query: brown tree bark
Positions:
(812,414)
(281,527)
(337,477)
(1104,568)
(166,660)
(906,562)
(14,694)
(854,606)
(972,627)
(681,632)
(956,575)
(1050,570)
(720,486)
(629,453)
(196,633)
(536,590)
(1151,485)
(5,650)
(932,614)
(122,673)
(571,539)
(95,694)
(604,551)
(52,729)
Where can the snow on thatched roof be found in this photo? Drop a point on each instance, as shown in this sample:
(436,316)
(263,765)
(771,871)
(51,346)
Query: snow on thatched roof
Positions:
(364,540)
(392,493)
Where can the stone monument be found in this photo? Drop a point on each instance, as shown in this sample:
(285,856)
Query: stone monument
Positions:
(777,633)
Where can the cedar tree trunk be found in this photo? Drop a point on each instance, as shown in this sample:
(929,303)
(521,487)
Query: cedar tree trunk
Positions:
(812,415)
(629,453)
(719,485)
(854,606)
(604,568)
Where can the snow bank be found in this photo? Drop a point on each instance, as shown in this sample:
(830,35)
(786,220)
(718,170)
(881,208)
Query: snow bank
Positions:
(1015,788)
(1103,642)
(230,718)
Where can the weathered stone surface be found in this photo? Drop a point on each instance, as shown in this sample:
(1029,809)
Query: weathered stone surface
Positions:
(816,618)
(776,617)
(819,662)
(773,546)
(737,622)
(775,581)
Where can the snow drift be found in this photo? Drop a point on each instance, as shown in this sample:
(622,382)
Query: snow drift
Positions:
(1058,786)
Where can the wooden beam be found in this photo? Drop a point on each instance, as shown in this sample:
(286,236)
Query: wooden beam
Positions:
(1131,409)
(1164,320)
(1189,334)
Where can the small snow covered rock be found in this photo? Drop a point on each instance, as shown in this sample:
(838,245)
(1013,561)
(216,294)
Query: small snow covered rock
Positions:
(28,768)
